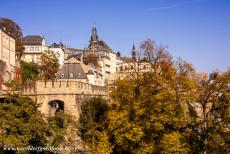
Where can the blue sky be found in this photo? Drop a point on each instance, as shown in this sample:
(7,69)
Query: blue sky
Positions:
(196,30)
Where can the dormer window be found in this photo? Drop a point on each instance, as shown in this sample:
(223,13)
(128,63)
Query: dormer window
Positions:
(71,75)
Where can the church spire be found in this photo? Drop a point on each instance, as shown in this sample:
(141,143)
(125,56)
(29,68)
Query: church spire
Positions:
(94,36)
(133,47)
(134,53)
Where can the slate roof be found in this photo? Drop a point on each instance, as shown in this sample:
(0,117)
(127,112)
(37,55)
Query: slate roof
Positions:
(75,50)
(104,45)
(32,40)
(75,69)
(57,45)
(77,56)
(72,51)
(101,46)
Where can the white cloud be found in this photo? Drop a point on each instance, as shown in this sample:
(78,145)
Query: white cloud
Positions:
(172,6)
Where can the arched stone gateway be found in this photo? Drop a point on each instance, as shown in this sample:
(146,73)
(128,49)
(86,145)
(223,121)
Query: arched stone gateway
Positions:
(55,106)
(63,95)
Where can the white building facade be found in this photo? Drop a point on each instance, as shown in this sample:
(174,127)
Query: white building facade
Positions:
(34,46)
(58,50)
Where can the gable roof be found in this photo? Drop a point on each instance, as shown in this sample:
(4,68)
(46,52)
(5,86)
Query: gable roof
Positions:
(101,45)
(75,69)
(33,40)
(77,56)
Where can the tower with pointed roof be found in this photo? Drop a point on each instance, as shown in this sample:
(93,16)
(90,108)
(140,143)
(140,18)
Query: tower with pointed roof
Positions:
(94,37)
(99,50)
(97,45)
(134,53)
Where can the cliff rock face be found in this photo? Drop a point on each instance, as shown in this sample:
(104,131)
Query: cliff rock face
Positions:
(65,138)
(74,142)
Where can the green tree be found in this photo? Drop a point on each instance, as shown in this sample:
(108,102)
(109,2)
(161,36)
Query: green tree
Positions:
(173,143)
(29,71)
(22,123)
(14,85)
(49,65)
(14,29)
(93,125)
(58,125)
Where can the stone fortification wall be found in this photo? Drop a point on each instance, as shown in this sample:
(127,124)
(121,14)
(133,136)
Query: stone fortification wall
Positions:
(62,87)
(72,93)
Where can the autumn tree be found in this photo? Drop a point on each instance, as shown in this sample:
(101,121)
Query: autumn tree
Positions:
(147,111)
(150,108)
(93,125)
(210,133)
(21,123)
(15,31)
(60,125)
(49,65)
(165,110)
(29,71)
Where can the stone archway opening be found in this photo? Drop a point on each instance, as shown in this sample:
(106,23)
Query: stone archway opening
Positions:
(55,106)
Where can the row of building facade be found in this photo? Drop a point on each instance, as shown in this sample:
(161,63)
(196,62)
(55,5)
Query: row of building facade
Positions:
(97,64)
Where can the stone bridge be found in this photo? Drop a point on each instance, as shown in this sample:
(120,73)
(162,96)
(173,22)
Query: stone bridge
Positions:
(63,95)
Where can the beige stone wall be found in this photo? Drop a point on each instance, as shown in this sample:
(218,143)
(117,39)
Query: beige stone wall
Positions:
(71,106)
(63,87)
(72,93)
(7,54)
(7,49)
